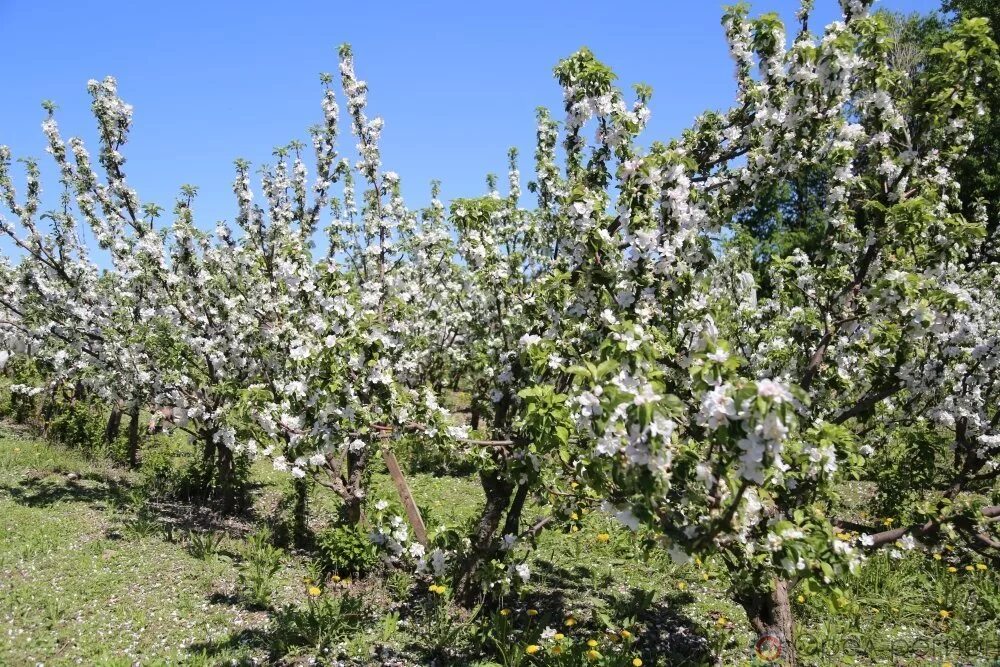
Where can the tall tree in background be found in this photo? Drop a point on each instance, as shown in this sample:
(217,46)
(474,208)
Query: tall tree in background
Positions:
(979,173)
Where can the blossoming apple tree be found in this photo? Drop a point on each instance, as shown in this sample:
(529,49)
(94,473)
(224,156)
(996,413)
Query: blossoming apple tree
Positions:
(704,338)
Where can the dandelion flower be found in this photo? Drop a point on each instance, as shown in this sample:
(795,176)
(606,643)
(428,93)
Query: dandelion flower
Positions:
(944,613)
(570,622)
(592,643)
(603,537)
(636,662)
(314,591)
(532,649)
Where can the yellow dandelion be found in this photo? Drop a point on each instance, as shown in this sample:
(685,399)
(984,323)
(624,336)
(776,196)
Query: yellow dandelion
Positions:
(592,643)
(969,568)
(558,636)
(603,537)
(626,634)
(720,621)
(574,516)
(801,598)
(636,662)
(532,612)
(944,613)
(532,649)
(314,592)
(952,569)
(981,566)
(505,612)
(593,655)
(556,650)
(336,579)
(574,529)
(937,556)
(570,622)
(888,521)
(681,585)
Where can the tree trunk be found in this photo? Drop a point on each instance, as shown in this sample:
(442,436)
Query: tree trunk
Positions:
(498,493)
(770,614)
(133,437)
(226,480)
(300,527)
(353,510)
(512,526)
(203,492)
(114,425)
(474,417)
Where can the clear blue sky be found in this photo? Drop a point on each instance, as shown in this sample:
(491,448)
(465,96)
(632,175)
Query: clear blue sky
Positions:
(456,82)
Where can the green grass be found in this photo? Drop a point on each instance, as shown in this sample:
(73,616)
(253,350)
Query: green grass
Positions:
(88,579)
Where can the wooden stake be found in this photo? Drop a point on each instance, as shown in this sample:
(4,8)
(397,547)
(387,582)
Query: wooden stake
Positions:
(412,511)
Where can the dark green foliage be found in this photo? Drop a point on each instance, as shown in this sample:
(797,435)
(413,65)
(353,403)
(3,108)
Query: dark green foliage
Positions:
(78,425)
(346,550)
(318,625)
(261,562)
(979,172)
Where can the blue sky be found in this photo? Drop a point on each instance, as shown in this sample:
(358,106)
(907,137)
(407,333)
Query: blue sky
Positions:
(456,82)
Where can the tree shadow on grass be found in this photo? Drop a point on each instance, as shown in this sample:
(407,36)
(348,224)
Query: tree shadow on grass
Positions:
(43,491)
(662,628)
(252,639)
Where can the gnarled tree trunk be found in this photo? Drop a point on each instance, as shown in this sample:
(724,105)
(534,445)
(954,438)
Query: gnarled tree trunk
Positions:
(133,436)
(114,425)
(770,614)
(498,492)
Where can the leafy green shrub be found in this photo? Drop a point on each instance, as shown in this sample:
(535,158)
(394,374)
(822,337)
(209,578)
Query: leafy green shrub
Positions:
(324,621)
(79,426)
(204,544)
(346,550)
(171,473)
(422,455)
(261,561)
(141,524)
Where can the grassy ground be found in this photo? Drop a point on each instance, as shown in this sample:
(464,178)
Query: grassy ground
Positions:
(87,579)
